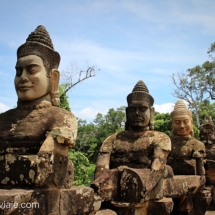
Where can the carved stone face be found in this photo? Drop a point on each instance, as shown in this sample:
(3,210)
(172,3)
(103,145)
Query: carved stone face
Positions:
(31,81)
(182,125)
(138,115)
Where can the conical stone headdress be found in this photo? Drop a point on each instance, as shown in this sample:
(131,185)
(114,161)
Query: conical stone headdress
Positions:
(140,93)
(39,43)
(180,109)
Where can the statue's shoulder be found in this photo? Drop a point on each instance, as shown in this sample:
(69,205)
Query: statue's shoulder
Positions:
(61,111)
(197,144)
(61,116)
(7,114)
(159,139)
(107,145)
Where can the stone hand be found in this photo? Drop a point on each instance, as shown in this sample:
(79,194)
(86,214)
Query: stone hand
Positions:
(156,165)
(198,154)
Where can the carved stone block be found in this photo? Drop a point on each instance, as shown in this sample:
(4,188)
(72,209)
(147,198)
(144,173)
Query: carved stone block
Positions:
(180,186)
(76,200)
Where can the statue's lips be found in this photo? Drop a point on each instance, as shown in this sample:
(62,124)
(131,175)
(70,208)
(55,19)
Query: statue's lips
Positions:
(182,130)
(24,88)
(138,120)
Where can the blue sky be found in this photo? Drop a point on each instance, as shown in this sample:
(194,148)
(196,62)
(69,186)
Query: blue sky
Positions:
(127,40)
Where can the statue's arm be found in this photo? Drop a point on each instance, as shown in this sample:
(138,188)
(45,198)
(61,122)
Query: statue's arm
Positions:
(53,162)
(199,154)
(160,158)
(162,147)
(103,160)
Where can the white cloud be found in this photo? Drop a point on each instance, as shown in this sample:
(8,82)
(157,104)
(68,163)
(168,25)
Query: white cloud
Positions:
(3,108)
(164,108)
(113,59)
(171,12)
(89,113)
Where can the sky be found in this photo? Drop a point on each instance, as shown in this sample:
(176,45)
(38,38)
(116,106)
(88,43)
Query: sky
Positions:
(125,40)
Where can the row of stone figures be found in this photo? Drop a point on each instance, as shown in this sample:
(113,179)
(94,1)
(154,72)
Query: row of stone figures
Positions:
(138,172)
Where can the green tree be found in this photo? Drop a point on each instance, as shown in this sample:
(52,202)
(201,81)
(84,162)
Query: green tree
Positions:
(86,141)
(82,167)
(162,122)
(196,85)
(189,89)
(92,135)
(64,99)
(206,109)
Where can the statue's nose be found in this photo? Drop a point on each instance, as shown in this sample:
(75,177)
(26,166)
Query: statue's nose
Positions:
(182,125)
(24,77)
(137,111)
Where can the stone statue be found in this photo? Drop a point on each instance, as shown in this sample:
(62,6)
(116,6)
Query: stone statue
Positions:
(186,158)
(187,154)
(136,156)
(207,136)
(207,131)
(35,138)
(138,146)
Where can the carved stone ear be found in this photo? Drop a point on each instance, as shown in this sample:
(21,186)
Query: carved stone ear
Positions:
(54,79)
(151,123)
(126,122)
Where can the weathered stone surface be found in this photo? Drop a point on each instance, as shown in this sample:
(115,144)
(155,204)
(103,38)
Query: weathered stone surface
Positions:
(106,212)
(43,170)
(37,201)
(182,157)
(139,185)
(202,200)
(77,200)
(210,172)
(106,186)
(180,186)
(160,207)
(207,131)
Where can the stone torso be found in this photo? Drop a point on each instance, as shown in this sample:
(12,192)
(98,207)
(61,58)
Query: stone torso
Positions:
(134,150)
(184,147)
(24,128)
(182,156)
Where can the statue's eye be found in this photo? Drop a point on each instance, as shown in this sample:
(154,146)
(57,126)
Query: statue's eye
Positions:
(143,109)
(32,69)
(18,71)
(132,109)
(186,121)
(177,122)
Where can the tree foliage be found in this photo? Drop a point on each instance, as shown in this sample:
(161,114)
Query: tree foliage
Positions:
(83,169)
(206,109)
(74,76)
(92,135)
(64,99)
(197,85)
(162,122)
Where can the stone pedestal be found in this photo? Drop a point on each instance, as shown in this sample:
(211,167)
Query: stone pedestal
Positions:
(73,201)
(161,207)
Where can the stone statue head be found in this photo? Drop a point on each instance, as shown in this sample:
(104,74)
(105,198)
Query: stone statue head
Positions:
(181,120)
(140,110)
(37,72)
